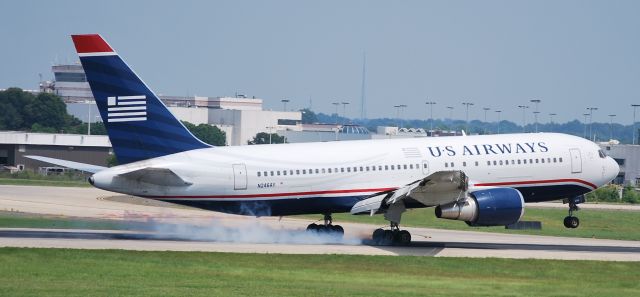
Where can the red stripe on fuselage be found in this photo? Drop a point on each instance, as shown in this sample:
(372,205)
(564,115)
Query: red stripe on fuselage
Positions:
(90,43)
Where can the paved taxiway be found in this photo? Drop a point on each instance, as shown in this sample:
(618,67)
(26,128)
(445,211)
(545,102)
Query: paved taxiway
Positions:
(89,202)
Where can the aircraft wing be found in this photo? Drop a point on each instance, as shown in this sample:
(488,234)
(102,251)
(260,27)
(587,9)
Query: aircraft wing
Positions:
(438,188)
(68,164)
(156,176)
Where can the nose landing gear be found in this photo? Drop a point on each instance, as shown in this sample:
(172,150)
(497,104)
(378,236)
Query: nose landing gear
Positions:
(570,221)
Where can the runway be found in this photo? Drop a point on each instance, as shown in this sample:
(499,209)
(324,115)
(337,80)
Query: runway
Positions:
(88,202)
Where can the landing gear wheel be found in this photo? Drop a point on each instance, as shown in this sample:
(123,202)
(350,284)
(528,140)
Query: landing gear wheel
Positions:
(571,222)
(313,227)
(404,237)
(377,236)
(387,237)
(337,229)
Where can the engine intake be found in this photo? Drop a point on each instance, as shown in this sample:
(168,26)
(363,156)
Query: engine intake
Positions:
(491,207)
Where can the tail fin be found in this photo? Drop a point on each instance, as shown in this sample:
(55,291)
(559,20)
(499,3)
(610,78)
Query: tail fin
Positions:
(139,125)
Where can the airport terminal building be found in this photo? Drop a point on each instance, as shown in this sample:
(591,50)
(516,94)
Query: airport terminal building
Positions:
(14,146)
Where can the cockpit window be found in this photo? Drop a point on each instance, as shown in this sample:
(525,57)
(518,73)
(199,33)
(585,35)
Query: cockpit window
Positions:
(601,153)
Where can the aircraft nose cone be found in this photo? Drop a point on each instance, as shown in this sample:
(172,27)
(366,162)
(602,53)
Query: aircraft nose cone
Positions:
(612,169)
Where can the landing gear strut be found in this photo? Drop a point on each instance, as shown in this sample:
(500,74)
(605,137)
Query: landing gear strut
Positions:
(327,227)
(570,221)
(394,236)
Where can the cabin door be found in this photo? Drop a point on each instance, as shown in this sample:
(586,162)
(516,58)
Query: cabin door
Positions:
(239,177)
(576,160)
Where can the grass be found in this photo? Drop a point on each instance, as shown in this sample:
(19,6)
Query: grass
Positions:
(604,224)
(43,182)
(60,272)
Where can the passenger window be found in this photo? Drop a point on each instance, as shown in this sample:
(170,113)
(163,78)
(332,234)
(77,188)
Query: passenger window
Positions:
(386,167)
(513,162)
(265,173)
(304,171)
(519,161)
(404,166)
(342,169)
(446,164)
(361,169)
(373,168)
(560,159)
(297,171)
(536,160)
(329,170)
(464,164)
(495,163)
(284,172)
(542,160)
(451,164)
(258,173)
(410,166)
(393,167)
(555,160)
(271,173)
(324,170)
(489,163)
(548,160)
(476,163)
(348,169)
(290,172)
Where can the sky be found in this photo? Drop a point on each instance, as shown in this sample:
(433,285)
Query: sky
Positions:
(496,54)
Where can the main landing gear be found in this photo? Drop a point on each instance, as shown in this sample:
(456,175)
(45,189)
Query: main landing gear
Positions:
(570,221)
(327,227)
(395,236)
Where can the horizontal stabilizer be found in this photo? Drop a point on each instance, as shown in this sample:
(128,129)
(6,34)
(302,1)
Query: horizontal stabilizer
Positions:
(69,164)
(156,176)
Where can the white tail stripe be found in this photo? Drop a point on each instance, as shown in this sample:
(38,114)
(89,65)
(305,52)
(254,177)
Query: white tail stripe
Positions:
(97,54)
(126,119)
(127,108)
(143,97)
(128,114)
(131,103)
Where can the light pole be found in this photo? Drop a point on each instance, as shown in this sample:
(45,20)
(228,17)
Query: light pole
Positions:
(536,112)
(499,113)
(344,110)
(270,127)
(450,108)
(591,109)
(485,118)
(551,115)
(524,117)
(467,104)
(89,121)
(402,106)
(336,104)
(585,124)
(431,103)
(634,122)
(284,102)
(611,116)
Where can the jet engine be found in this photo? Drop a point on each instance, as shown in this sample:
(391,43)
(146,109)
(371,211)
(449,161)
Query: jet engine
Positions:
(490,207)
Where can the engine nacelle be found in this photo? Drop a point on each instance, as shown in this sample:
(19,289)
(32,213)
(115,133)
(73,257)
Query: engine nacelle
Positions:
(491,207)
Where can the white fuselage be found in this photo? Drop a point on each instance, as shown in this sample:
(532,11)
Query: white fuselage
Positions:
(546,162)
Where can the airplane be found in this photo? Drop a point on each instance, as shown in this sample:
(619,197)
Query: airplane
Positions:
(483,180)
